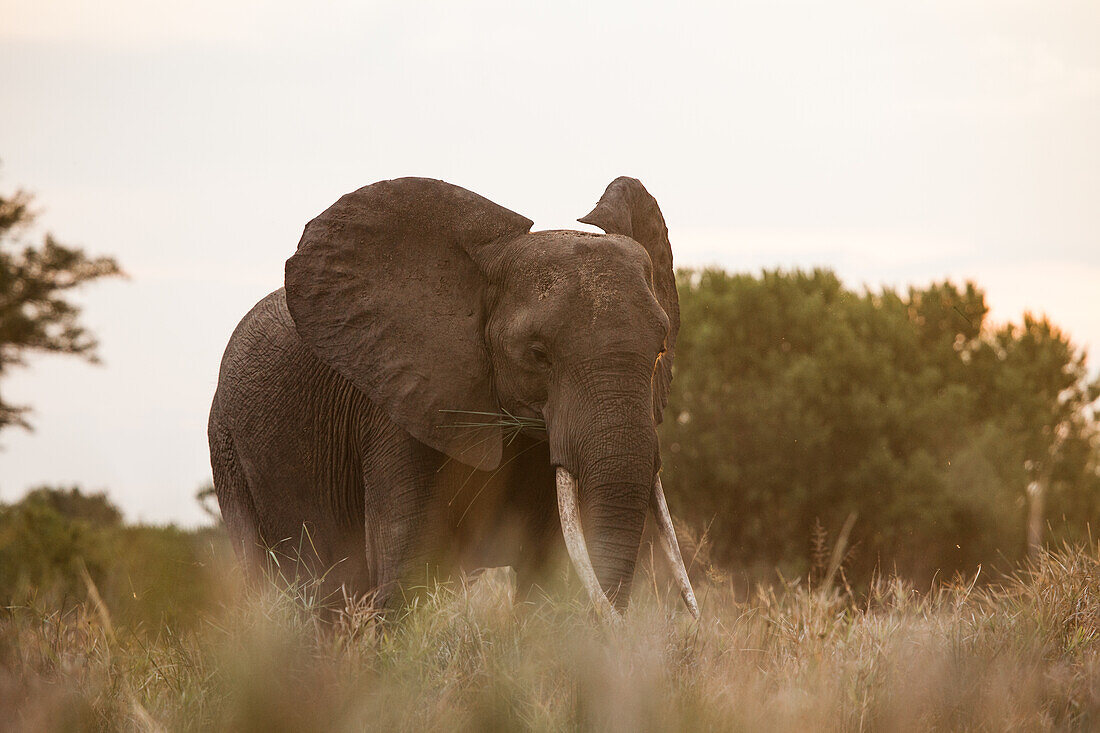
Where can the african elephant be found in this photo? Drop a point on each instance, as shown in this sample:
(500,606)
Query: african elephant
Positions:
(358,408)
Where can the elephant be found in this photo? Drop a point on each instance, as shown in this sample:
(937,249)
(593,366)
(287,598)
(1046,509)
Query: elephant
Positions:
(436,388)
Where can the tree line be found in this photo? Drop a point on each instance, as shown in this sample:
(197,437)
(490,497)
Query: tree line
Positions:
(942,439)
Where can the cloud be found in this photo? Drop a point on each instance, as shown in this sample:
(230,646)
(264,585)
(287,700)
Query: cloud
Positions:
(1063,290)
(141,25)
(129,23)
(873,246)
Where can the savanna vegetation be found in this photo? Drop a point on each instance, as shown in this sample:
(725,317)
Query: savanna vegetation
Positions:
(92,637)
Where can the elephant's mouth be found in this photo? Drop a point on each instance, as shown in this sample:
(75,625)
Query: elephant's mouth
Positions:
(569,511)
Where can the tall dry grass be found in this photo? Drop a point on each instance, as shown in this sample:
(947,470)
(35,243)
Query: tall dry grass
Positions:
(1017,655)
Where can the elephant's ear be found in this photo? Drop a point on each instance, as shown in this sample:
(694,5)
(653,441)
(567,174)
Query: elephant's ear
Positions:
(627,208)
(384,288)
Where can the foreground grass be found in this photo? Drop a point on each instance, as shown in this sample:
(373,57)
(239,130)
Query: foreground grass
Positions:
(1020,655)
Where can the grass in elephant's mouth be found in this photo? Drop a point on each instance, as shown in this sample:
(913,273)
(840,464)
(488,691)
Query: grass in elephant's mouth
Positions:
(513,425)
(1023,655)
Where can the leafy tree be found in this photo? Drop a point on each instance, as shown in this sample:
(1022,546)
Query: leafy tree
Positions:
(35,314)
(798,400)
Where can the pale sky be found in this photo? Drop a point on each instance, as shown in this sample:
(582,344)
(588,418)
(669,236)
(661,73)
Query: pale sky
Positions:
(895,142)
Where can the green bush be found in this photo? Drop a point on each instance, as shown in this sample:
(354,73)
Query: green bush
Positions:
(54,544)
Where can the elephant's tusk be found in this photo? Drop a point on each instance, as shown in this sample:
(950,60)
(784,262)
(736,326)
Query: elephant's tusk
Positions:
(574,542)
(671,546)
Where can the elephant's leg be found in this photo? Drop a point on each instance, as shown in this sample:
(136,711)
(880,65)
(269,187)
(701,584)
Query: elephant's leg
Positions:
(235,499)
(542,547)
(538,565)
(532,578)
(400,520)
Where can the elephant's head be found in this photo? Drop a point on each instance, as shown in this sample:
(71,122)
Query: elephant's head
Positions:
(438,304)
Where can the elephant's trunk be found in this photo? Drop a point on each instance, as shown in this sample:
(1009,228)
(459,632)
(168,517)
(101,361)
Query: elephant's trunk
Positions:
(569,509)
(604,442)
(604,438)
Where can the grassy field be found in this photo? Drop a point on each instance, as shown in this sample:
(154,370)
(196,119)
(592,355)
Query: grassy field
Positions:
(1022,654)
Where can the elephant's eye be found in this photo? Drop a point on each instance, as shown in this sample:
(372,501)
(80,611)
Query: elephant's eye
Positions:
(539,354)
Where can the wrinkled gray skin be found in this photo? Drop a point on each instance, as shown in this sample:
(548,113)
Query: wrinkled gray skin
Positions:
(411,298)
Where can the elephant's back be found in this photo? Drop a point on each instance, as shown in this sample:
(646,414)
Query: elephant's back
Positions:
(269,377)
(267,328)
(264,345)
